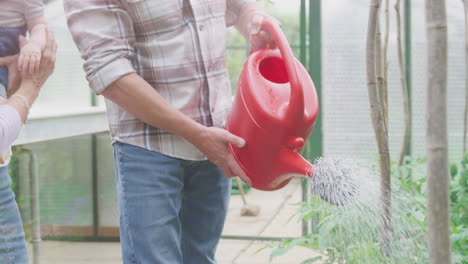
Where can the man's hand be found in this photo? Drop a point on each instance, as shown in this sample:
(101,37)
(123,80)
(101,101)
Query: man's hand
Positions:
(30,56)
(249,25)
(258,38)
(213,142)
(14,77)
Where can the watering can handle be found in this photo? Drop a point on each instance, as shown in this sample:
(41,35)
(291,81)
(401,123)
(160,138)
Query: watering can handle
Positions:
(295,108)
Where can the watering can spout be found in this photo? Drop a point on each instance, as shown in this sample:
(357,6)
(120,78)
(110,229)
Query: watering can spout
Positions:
(290,164)
(293,163)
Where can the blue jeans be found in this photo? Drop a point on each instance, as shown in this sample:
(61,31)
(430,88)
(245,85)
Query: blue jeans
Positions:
(172,211)
(12,244)
(9,45)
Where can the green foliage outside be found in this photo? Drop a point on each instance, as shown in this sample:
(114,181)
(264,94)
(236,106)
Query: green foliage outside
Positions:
(340,241)
(459,210)
(235,188)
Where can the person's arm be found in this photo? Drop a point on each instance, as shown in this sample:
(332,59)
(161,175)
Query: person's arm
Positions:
(14,111)
(136,96)
(37,31)
(30,54)
(23,98)
(244,14)
(10,126)
(108,51)
(248,22)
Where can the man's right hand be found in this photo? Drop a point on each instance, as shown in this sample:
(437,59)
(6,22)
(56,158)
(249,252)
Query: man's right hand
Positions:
(213,142)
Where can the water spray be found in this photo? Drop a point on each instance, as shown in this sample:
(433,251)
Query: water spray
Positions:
(335,180)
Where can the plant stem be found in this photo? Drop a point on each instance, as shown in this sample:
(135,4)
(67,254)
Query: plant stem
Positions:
(379,127)
(385,63)
(404,87)
(380,74)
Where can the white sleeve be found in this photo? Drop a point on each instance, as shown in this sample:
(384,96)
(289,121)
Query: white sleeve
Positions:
(10,125)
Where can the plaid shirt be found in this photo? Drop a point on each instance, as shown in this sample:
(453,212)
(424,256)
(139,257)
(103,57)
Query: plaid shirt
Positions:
(177,46)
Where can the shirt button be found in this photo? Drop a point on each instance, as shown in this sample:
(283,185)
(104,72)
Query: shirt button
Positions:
(201,27)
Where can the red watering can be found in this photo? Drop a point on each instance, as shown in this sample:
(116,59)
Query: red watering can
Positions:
(270,113)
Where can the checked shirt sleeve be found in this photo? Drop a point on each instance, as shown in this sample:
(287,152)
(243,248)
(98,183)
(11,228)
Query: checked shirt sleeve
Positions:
(233,9)
(103,33)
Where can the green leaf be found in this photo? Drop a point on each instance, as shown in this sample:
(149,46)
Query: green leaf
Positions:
(261,249)
(453,170)
(278,252)
(297,242)
(311,260)
(308,216)
(465,159)
(463,182)
(293,216)
(299,204)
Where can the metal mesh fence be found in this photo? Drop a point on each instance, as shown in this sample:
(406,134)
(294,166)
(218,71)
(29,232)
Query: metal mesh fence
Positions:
(72,201)
(456,78)
(347,128)
(65,169)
